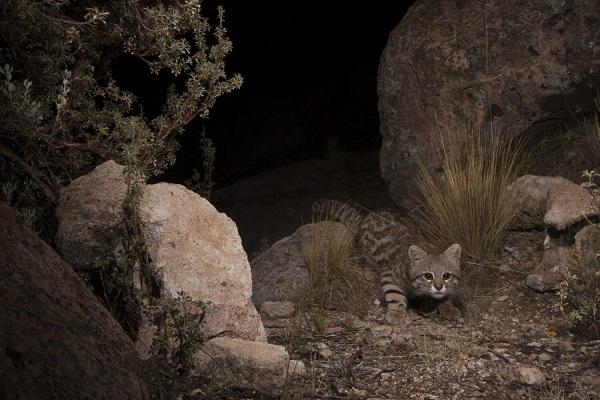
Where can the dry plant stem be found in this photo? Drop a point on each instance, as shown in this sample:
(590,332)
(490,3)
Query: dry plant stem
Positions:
(49,191)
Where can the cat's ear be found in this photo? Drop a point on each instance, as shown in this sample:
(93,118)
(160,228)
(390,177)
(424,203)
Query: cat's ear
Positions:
(453,253)
(415,253)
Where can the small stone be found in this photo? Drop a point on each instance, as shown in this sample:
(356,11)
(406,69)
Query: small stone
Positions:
(334,330)
(325,353)
(530,375)
(502,298)
(567,346)
(478,351)
(376,302)
(321,346)
(505,268)
(509,249)
(296,368)
(385,376)
(277,309)
(534,344)
(401,337)
(545,356)
(275,323)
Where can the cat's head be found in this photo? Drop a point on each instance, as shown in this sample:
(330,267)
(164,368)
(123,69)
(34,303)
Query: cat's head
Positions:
(435,276)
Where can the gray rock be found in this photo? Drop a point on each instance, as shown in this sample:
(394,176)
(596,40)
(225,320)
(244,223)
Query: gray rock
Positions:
(195,248)
(530,375)
(56,340)
(568,204)
(277,309)
(587,244)
(546,276)
(282,269)
(480,69)
(244,364)
(89,214)
(297,368)
(535,191)
(198,250)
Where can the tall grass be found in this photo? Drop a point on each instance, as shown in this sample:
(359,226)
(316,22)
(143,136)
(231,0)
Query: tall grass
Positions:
(335,278)
(591,135)
(467,201)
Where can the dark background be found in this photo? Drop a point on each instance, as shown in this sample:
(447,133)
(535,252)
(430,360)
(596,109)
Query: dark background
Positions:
(310,84)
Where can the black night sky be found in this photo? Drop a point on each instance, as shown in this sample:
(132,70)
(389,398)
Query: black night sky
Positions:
(310,77)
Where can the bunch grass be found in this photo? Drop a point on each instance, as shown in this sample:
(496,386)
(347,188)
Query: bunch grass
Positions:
(336,279)
(468,201)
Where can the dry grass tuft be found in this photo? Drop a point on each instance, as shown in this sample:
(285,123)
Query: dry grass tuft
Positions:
(335,278)
(468,202)
(591,135)
(554,391)
(432,348)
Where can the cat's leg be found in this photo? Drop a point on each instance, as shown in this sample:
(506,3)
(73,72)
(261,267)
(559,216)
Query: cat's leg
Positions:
(395,299)
(448,310)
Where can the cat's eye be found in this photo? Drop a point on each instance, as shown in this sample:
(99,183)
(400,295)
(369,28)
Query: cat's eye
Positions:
(446,276)
(428,276)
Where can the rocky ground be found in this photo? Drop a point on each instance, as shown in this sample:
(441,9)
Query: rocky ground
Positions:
(509,343)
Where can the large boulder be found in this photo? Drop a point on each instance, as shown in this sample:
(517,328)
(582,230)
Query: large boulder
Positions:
(198,250)
(195,248)
(282,269)
(89,215)
(514,63)
(56,340)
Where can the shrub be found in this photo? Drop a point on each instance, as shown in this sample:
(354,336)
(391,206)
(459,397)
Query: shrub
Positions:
(467,202)
(63,112)
(579,292)
(179,334)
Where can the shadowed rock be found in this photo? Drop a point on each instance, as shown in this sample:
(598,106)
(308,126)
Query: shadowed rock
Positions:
(512,63)
(56,340)
(281,269)
(244,364)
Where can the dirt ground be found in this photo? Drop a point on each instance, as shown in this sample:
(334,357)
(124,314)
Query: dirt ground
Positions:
(507,334)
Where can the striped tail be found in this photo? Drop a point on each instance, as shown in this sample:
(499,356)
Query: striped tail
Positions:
(336,211)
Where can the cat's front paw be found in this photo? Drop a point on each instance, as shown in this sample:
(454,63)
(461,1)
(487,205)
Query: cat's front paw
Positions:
(448,311)
(396,317)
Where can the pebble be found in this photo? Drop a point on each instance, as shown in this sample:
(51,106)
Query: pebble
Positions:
(296,368)
(545,356)
(530,375)
(325,353)
(334,330)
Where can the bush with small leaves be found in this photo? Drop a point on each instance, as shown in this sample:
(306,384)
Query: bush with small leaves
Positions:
(62,111)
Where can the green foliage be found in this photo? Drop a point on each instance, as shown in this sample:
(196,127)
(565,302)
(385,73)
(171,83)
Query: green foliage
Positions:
(179,334)
(62,111)
(203,183)
(467,202)
(579,292)
(318,320)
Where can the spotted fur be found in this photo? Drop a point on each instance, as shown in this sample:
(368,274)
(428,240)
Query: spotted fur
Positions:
(406,271)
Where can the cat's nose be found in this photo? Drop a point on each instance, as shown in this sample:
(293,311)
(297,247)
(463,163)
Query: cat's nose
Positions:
(438,285)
